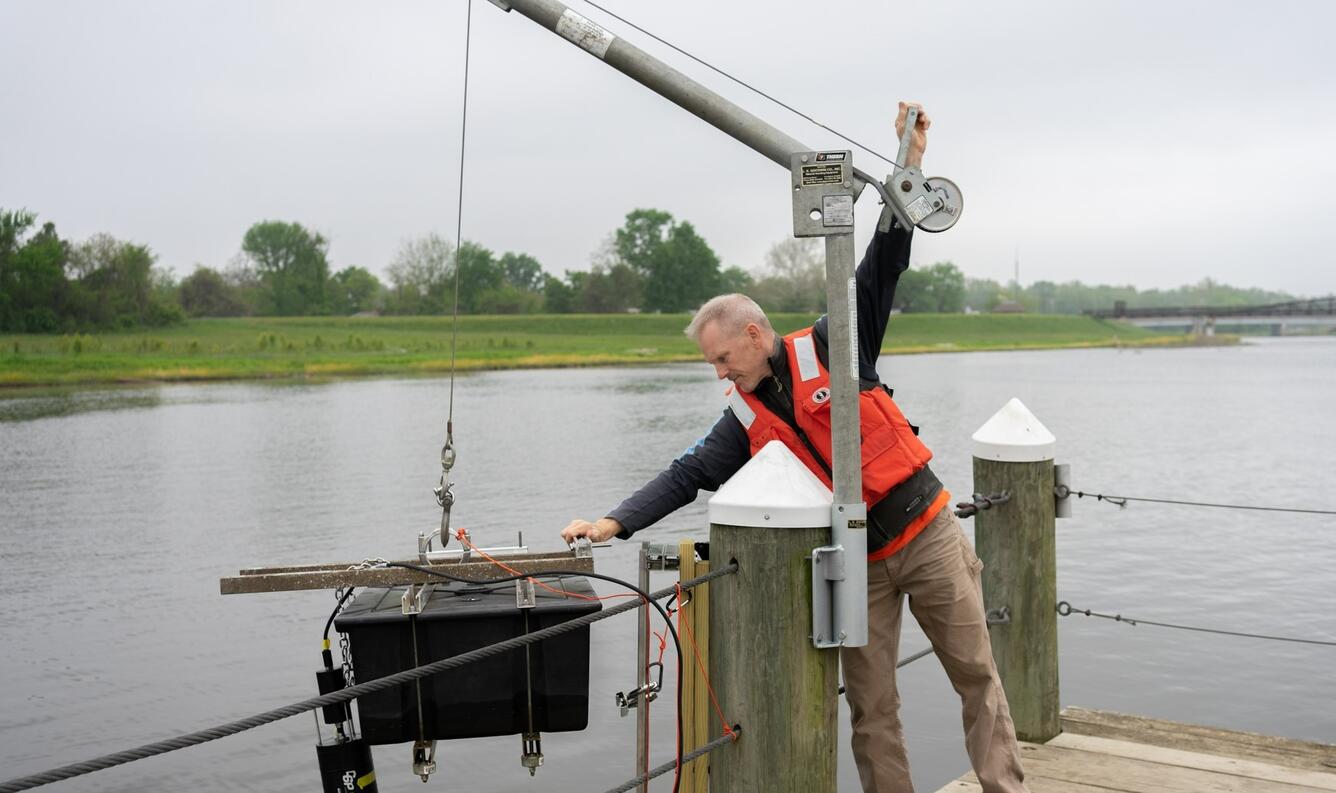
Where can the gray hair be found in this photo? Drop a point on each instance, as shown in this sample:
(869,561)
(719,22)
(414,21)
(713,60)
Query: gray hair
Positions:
(732,312)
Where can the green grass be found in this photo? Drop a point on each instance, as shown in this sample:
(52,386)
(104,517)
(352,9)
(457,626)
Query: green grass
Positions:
(313,347)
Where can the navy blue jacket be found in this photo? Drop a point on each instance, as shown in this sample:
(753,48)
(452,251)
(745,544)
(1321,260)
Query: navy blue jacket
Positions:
(713,459)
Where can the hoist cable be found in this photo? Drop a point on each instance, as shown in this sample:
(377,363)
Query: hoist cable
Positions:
(746,85)
(459,209)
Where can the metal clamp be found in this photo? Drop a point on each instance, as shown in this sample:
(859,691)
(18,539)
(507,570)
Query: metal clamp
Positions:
(662,556)
(626,700)
(998,616)
(525,597)
(424,758)
(531,751)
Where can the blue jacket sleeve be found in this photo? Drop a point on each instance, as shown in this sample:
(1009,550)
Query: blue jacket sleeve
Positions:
(706,465)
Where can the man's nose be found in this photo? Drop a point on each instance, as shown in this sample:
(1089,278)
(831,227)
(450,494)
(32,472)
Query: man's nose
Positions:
(720,371)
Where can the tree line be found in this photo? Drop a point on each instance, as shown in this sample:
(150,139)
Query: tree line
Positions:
(653,262)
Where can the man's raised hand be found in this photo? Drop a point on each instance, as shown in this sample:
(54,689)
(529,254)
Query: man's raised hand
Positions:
(919,143)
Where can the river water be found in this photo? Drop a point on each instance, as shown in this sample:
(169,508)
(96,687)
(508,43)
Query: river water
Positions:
(120,509)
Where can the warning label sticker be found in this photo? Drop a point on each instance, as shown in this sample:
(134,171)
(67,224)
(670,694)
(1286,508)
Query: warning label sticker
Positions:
(837,210)
(585,33)
(918,209)
(822,174)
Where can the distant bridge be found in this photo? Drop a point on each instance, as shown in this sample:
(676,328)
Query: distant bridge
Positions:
(1318,311)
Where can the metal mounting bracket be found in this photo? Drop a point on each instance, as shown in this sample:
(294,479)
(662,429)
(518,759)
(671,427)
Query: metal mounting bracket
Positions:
(524,594)
(827,568)
(1062,490)
(415,598)
(823,193)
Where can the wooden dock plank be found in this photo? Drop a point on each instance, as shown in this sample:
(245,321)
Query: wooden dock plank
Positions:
(1035,784)
(1136,775)
(1105,752)
(1253,769)
(1195,738)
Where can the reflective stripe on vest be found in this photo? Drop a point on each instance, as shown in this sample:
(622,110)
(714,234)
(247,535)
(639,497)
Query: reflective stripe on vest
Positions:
(889,451)
(805,350)
(741,409)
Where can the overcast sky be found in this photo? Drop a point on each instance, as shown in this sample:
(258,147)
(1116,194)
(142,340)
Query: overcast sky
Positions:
(1151,143)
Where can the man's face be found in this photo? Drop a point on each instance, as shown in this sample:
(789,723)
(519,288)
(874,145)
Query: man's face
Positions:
(743,358)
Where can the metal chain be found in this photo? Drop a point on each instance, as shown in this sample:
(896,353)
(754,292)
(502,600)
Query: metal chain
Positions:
(343,639)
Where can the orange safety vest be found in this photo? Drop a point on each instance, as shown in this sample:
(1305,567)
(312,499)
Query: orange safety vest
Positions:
(891,452)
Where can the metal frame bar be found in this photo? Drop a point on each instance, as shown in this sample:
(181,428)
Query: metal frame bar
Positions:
(333,576)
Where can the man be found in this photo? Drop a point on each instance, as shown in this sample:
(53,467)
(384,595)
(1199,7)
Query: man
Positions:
(915,545)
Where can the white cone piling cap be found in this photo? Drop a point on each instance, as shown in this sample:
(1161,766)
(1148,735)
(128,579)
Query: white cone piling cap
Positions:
(773,490)
(1014,435)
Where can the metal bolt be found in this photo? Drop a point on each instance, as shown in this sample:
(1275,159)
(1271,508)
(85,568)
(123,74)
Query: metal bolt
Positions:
(905,186)
(848,186)
(804,158)
(937,204)
(843,635)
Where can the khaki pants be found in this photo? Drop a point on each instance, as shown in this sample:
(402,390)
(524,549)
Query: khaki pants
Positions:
(940,573)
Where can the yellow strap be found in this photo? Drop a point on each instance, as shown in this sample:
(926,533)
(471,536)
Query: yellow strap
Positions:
(366,781)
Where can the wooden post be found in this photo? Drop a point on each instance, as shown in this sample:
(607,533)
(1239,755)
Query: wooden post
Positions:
(767,675)
(697,712)
(1013,452)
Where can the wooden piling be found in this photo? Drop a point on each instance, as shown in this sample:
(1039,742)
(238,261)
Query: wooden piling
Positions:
(766,672)
(1016,541)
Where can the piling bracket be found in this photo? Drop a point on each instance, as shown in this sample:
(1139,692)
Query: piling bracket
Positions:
(828,566)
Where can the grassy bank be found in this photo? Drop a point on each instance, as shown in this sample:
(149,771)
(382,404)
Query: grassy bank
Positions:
(227,349)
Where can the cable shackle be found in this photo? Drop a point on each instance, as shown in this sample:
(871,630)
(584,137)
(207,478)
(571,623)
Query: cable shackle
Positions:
(968,509)
(445,496)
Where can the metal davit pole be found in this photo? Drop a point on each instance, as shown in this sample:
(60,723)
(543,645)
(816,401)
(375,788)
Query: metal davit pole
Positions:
(839,570)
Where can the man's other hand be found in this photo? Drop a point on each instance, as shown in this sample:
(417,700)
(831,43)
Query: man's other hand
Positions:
(601,530)
(919,143)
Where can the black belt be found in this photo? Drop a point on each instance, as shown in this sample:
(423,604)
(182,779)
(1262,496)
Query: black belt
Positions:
(888,518)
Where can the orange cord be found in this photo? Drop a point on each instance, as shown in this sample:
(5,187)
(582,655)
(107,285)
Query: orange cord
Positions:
(691,637)
(459,535)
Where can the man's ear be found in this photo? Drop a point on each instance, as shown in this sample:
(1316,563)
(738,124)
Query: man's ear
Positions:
(753,332)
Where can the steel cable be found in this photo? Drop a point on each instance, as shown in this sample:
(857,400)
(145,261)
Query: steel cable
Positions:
(1121,501)
(352,692)
(748,86)
(1066,609)
(686,758)
(903,662)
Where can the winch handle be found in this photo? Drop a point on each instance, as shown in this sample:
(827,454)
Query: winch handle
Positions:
(911,121)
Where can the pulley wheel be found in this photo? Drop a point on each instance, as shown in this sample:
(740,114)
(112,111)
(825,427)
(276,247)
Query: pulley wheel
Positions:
(945,217)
